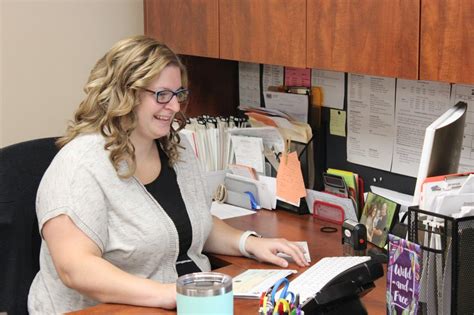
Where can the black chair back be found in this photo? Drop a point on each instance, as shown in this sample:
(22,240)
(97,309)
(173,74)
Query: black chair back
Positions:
(22,166)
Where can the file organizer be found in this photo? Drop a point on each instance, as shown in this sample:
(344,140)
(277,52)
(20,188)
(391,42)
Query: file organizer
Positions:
(237,193)
(456,239)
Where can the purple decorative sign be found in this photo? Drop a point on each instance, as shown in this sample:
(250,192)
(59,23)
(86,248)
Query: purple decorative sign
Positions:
(403,276)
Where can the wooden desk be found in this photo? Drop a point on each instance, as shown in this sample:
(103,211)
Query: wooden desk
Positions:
(269,224)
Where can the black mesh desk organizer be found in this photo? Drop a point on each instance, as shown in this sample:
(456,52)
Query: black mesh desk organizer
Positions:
(456,256)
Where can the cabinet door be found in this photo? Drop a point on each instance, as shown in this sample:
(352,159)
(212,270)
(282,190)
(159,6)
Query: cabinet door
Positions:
(447,41)
(263,31)
(378,37)
(188,27)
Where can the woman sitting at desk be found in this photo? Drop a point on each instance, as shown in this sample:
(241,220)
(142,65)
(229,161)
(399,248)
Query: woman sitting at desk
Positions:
(122,207)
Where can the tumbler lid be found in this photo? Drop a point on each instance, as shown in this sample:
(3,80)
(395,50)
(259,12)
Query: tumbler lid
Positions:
(204,284)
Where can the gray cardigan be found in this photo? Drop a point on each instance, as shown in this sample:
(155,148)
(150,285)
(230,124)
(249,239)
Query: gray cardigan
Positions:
(130,228)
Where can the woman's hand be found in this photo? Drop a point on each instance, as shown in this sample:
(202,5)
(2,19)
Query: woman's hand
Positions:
(266,250)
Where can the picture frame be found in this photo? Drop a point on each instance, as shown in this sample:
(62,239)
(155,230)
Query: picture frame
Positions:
(379,215)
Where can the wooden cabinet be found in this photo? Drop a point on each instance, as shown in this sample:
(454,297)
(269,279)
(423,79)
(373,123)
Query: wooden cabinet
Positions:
(378,37)
(447,41)
(410,39)
(188,27)
(263,31)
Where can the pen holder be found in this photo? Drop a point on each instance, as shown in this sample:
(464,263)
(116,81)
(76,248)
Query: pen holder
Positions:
(204,293)
(447,260)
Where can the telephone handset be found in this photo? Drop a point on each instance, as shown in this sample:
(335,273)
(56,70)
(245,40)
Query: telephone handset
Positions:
(341,295)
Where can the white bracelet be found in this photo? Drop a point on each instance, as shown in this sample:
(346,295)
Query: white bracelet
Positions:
(243,239)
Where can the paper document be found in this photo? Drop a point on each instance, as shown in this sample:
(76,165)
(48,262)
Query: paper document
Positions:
(253,282)
(243,170)
(270,135)
(270,183)
(272,76)
(295,105)
(297,77)
(402,199)
(370,121)
(332,86)
(211,143)
(249,151)
(249,84)
(451,204)
(419,103)
(448,184)
(468,186)
(225,211)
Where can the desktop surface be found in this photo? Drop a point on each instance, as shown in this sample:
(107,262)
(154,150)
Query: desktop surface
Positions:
(269,224)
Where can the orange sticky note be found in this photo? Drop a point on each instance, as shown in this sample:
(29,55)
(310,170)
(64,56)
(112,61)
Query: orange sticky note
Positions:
(290,183)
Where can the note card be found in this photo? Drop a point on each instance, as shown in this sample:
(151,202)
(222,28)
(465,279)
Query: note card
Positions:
(332,86)
(290,183)
(403,276)
(297,77)
(337,125)
(249,152)
(272,76)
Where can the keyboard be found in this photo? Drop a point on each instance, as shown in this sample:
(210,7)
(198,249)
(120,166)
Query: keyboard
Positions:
(317,276)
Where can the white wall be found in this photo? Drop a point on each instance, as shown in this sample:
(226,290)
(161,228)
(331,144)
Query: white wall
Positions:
(48,48)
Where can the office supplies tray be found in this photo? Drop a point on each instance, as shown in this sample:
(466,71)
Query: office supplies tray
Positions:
(448,255)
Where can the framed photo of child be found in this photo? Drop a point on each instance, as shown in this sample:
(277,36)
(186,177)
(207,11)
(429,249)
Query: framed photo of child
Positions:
(378,217)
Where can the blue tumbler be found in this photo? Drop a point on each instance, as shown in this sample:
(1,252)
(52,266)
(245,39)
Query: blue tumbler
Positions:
(204,293)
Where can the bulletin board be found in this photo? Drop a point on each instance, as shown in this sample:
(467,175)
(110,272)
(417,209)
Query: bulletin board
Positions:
(336,157)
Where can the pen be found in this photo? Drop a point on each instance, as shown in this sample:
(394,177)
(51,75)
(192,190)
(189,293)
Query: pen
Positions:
(253,201)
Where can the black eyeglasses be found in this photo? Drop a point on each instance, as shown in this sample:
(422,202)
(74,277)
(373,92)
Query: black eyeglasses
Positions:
(165,96)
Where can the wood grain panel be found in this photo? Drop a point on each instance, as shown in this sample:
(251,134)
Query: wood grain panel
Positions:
(378,37)
(447,41)
(214,86)
(187,26)
(263,31)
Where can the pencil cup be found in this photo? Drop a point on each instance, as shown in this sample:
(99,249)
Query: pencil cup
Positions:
(204,293)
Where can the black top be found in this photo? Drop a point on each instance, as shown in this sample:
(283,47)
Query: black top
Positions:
(166,191)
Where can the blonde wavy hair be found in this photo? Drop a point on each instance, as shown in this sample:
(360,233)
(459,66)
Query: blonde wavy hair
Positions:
(112,95)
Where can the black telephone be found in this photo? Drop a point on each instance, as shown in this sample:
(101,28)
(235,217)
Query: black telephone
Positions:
(342,294)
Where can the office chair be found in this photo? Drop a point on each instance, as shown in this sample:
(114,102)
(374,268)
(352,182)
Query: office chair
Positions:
(22,166)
